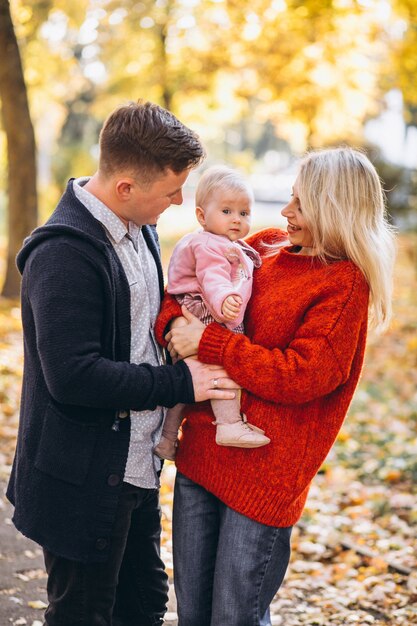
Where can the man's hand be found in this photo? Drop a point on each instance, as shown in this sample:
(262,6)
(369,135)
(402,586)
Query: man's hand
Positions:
(231,307)
(211,382)
(183,340)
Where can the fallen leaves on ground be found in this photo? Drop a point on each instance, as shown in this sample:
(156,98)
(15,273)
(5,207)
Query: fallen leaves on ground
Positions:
(354,553)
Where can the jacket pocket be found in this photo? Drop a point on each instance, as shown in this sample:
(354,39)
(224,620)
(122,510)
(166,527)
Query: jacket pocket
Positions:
(65,448)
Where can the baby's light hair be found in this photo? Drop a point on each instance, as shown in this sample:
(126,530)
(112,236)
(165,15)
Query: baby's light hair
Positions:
(220,177)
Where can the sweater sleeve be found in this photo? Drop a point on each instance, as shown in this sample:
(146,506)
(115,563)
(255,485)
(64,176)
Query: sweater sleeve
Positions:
(316,361)
(169,310)
(67,308)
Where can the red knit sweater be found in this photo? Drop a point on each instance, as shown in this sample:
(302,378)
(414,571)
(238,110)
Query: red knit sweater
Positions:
(298,363)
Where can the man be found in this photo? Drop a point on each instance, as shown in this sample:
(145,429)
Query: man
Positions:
(85,481)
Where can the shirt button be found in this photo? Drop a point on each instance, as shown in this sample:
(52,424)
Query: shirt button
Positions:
(101,543)
(123,413)
(113,480)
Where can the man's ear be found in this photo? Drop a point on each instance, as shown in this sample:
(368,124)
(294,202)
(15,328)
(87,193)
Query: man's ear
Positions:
(199,213)
(124,188)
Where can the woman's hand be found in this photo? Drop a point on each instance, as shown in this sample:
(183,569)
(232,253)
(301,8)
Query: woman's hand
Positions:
(183,340)
(177,322)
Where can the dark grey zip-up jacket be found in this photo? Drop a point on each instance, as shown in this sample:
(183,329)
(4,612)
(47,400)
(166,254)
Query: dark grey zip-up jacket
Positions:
(69,462)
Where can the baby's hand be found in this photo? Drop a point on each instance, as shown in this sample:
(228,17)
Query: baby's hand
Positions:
(231,307)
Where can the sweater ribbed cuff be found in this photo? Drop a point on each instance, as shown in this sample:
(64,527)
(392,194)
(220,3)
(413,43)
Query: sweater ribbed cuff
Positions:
(213,343)
(169,310)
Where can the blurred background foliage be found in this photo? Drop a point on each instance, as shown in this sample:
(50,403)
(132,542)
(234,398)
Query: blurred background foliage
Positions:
(260,80)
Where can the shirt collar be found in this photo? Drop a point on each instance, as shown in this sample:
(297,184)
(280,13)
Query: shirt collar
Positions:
(113,225)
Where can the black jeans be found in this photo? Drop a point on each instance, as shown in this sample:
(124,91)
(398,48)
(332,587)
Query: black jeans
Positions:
(130,589)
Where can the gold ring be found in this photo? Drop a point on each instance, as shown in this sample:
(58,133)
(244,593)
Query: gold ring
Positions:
(215,382)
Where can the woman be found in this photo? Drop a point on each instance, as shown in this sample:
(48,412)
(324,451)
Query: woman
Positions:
(298,366)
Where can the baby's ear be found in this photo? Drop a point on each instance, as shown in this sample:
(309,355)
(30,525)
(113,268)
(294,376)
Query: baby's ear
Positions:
(199,213)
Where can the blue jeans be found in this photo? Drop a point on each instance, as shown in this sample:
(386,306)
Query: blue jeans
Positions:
(130,589)
(227,567)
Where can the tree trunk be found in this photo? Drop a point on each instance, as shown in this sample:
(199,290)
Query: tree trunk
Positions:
(21,151)
(162,30)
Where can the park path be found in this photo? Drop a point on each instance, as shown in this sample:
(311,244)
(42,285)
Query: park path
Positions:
(23,578)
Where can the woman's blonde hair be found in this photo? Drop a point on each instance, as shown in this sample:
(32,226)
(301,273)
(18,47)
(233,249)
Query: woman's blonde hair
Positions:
(343,204)
(220,177)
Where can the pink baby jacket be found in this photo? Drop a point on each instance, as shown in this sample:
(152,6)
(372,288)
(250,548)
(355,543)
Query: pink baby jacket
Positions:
(213,267)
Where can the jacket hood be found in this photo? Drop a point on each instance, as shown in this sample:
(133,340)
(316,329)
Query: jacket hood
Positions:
(39,235)
(71,219)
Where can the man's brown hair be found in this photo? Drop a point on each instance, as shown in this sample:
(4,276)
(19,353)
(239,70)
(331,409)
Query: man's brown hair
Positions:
(146,139)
